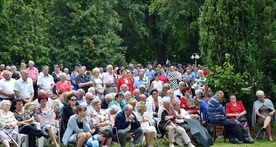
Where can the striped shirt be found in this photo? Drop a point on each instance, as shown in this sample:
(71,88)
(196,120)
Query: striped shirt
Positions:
(214,109)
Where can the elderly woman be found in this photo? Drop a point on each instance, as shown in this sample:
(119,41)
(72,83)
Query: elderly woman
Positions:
(184,120)
(78,128)
(98,83)
(165,89)
(63,85)
(42,111)
(111,113)
(236,111)
(166,122)
(99,121)
(263,112)
(118,101)
(195,101)
(7,124)
(25,123)
(147,123)
(172,78)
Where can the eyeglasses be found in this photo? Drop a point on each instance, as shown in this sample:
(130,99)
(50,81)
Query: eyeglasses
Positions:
(154,93)
(73,100)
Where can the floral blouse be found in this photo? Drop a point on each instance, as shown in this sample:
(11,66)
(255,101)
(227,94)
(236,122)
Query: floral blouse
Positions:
(100,117)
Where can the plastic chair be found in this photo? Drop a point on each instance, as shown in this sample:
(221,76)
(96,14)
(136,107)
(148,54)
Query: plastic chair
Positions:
(23,139)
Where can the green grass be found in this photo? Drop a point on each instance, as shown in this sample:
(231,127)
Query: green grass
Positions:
(219,142)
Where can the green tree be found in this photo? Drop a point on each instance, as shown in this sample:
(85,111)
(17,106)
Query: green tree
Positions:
(177,28)
(85,32)
(245,30)
(25,37)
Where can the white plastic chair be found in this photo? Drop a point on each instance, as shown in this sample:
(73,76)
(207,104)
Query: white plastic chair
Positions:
(23,139)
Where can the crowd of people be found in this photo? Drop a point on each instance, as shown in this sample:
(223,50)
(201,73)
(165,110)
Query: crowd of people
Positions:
(107,104)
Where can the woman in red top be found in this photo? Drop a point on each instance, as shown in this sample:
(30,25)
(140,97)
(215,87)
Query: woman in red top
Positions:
(184,103)
(124,79)
(234,110)
(63,85)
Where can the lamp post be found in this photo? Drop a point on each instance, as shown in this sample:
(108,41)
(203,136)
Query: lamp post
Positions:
(195,57)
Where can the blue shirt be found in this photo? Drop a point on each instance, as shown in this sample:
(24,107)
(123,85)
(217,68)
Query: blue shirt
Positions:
(150,73)
(214,109)
(203,109)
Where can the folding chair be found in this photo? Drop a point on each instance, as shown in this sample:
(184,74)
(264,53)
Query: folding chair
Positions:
(161,136)
(259,133)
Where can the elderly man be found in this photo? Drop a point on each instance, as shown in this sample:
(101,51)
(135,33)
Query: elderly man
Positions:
(106,100)
(216,115)
(178,94)
(88,102)
(136,94)
(126,122)
(33,74)
(110,80)
(6,86)
(82,80)
(133,70)
(142,79)
(45,81)
(23,87)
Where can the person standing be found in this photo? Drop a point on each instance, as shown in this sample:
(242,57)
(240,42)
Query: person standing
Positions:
(110,80)
(33,74)
(45,81)
(6,86)
(82,80)
(23,87)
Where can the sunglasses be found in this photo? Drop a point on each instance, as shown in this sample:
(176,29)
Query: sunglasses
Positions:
(73,100)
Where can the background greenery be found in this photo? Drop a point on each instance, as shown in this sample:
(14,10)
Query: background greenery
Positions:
(235,39)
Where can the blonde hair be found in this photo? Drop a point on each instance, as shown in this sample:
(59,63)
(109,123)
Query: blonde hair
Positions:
(30,106)
(57,104)
(132,102)
(95,102)
(260,93)
(140,106)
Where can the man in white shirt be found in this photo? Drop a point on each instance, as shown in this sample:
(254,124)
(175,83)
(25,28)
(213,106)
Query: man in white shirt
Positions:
(178,94)
(6,86)
(45,81)
(23,87)
(110,80)
(88,102)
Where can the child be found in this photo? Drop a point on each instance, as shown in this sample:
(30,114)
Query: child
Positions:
(95,140)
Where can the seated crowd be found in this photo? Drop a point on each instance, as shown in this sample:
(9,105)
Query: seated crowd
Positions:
(97,106)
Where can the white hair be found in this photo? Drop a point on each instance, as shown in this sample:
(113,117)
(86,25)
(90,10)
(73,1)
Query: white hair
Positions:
(96,69)
(260,93)
(166,100)
(198,91)
(4,102)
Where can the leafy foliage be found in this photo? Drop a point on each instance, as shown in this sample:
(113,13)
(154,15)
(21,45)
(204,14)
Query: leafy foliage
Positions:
(224,78)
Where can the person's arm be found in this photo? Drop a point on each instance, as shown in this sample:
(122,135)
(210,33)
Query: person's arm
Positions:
(65,115)
(10,95)
(73,124)
(52,84)
(135,123)
(120,122)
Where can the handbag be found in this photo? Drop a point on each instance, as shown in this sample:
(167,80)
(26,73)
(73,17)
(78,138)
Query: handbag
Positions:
(242,119)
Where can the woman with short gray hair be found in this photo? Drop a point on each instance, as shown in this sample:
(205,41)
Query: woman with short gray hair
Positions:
(7,123)
(166,122)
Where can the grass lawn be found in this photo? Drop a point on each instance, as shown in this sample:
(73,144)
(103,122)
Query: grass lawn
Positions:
(219,142)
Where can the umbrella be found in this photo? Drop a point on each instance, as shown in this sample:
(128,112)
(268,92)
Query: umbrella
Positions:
(200,132)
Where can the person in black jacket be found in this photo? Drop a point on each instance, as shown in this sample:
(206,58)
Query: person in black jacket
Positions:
(126,122)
